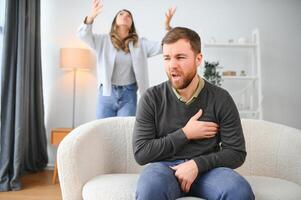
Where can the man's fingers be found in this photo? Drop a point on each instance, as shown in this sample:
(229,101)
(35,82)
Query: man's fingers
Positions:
(211,129)
(187,187)
(210,124)
(183,185)
(197,115)
(175,167)
(210,134)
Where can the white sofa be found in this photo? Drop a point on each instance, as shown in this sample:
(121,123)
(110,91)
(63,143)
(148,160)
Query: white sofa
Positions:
(95,161)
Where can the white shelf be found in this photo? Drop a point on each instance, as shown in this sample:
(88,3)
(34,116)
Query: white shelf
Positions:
(239,77)
(230,45)
(245,90)
(248,112)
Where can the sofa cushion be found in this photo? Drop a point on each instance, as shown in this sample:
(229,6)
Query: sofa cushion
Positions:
(267,188)
(123,187)
(114,186)
(111,186)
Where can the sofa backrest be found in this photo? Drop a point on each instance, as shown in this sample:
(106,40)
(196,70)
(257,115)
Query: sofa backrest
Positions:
(115,135)
(272,149)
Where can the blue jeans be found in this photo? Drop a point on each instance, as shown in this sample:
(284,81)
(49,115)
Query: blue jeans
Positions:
(122,102)
(157,181)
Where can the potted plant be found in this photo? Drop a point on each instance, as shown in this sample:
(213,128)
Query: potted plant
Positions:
(211,73)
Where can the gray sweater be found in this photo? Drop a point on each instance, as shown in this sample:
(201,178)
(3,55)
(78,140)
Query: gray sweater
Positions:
(158,134)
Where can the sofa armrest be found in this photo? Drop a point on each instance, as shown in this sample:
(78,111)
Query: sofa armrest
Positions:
(80,157)
(273,150)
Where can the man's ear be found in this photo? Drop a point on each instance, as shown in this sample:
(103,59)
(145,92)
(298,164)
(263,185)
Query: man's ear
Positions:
(198,59)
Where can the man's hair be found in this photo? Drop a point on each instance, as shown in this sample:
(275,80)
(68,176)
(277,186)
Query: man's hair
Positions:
(178,33)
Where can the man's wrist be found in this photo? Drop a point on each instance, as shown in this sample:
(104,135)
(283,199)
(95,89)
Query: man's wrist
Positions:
(196,165)
(184,129)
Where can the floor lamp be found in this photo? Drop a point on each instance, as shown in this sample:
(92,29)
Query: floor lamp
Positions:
(75,59)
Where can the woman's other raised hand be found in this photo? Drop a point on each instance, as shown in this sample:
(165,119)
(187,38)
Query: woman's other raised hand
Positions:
(168,16)
(97,6)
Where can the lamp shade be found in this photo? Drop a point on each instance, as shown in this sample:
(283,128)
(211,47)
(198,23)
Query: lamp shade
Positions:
(75,58)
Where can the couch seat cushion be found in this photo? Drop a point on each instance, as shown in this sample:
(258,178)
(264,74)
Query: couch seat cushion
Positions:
(114,186)
(267,188)
(111,186)
(123,187)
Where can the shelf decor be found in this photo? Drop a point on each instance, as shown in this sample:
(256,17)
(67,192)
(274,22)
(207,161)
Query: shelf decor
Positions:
(211,73)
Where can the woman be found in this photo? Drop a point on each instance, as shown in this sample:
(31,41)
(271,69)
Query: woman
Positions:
(121,61)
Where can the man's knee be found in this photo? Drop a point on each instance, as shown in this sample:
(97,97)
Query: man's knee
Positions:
(237,191)
(158,181)
(235,187)
(148,189)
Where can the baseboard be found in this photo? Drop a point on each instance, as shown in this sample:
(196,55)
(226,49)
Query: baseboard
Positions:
(50,166)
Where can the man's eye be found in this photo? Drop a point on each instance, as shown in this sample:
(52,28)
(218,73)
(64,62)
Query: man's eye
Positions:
(166,58)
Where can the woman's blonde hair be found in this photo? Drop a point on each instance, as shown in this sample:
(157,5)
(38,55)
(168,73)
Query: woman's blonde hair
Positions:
(123,44)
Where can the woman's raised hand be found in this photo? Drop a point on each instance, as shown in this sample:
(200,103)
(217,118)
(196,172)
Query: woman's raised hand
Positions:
(97,6)
(168,15)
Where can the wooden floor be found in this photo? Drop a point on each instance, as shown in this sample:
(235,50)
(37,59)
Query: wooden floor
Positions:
(35,186)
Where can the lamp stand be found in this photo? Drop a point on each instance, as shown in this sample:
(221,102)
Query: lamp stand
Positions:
(74,97)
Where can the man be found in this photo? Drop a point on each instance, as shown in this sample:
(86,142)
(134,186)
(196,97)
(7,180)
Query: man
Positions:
(189,130)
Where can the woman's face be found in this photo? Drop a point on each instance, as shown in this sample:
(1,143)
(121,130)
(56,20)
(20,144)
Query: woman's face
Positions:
(124,19)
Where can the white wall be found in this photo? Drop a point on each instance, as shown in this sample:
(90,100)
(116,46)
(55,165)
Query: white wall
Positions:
(279,23)
(2,21)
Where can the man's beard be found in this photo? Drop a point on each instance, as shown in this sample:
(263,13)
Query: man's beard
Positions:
(185,83)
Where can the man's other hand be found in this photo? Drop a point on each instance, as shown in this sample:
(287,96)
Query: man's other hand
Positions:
(195,129)
(186,173)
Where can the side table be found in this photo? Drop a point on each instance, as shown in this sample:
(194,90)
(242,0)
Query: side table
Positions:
(57,135)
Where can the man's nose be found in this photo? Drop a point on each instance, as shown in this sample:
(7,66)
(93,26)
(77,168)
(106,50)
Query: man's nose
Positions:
(173,64)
